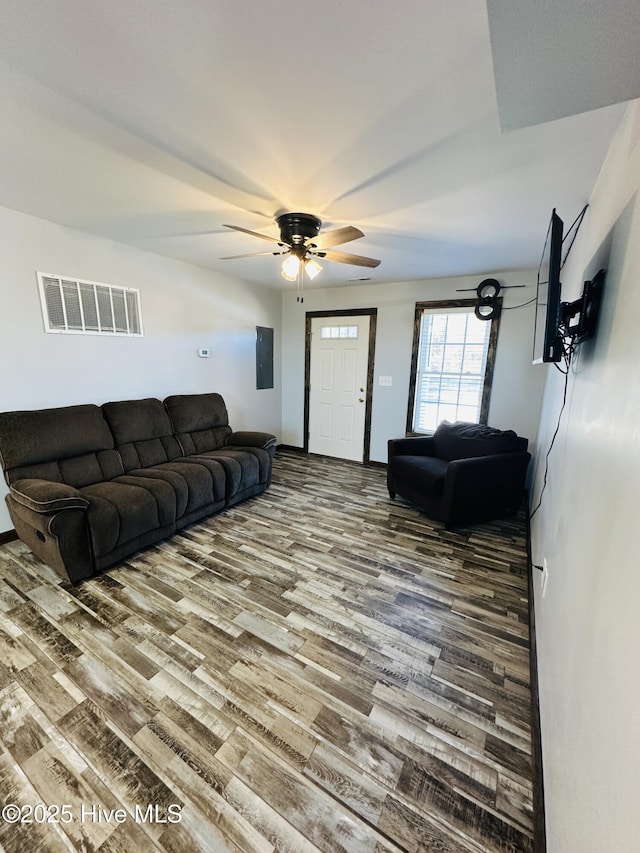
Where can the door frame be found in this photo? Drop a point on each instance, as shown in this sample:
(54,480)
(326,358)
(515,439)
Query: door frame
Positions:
(372,313)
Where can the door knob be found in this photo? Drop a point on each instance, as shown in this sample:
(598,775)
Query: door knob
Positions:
(361,399)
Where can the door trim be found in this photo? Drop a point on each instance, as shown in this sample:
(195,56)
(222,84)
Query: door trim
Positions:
(372,313)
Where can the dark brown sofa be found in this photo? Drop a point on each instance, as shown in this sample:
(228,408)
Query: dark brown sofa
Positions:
(463,474)
(89,485)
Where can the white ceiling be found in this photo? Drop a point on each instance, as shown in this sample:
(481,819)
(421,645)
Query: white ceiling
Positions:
(556,58)
(153,122)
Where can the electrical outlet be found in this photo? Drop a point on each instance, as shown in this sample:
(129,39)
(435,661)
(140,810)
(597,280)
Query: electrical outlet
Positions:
(545,577)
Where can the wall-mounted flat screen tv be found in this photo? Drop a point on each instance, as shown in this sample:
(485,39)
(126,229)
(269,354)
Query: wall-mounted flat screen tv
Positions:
(547,339)
(560,326)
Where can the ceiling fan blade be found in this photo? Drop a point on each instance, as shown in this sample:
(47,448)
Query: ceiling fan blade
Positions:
(336,237)
(347,258)
(254,233)
(252,255)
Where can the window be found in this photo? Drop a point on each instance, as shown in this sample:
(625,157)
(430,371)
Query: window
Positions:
(452,365)
(86,307)
(338,331)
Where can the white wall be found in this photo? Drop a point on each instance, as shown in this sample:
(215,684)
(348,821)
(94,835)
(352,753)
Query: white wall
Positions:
(587,530)
(183,308)
(517,385)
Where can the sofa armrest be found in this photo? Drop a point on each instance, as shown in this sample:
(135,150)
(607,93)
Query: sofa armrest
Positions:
(52,519)
(245,438)
(420,445)
(46,496)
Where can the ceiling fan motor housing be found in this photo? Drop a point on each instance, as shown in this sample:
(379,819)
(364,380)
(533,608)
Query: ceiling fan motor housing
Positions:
(296,228)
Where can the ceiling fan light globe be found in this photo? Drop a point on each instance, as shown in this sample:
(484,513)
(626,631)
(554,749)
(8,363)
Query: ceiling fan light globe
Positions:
(290,267)
(312,268)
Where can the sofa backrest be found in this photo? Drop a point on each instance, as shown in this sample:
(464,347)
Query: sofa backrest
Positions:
(142,432)
(461,440)
(200,421)
(70,444)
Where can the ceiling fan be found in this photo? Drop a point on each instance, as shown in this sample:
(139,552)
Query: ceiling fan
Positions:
(300,243)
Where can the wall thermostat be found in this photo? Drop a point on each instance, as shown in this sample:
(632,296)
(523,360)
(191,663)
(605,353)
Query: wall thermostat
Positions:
(204,352)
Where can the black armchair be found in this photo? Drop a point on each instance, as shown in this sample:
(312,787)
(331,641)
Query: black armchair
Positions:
(462,474)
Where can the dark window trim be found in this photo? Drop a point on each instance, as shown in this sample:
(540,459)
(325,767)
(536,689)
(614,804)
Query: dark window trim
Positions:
(421,307)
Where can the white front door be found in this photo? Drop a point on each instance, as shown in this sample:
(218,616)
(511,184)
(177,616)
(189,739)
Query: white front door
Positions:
(338,383)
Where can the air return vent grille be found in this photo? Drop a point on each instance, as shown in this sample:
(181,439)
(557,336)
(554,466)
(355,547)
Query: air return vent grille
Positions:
(78,307)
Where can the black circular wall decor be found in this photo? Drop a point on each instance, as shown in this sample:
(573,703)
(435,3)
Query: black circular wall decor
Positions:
(488,289)
(487,306)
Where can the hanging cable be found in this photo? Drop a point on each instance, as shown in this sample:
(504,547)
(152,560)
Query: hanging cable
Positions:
(523,305)
(568,350)
(577,222)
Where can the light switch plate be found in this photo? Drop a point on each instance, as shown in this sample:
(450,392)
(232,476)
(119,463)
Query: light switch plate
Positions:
(385,380)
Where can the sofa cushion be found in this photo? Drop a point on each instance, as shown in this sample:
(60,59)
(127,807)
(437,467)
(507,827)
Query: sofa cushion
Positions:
(264,457)
(425,473)
(461,440)
(69,444)
(142,432)
(164,493)
(242,467)
(200,421)
(119,512)
(196,483)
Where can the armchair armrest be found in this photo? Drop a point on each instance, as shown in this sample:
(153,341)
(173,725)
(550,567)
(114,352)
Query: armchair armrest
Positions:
(47,496)
(483,486)
(245,438)
(420,445)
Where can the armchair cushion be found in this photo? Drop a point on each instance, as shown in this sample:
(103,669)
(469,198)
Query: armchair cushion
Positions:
(427,471)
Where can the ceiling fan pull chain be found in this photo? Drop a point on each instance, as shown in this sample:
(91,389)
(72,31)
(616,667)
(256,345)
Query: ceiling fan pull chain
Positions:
(300,297)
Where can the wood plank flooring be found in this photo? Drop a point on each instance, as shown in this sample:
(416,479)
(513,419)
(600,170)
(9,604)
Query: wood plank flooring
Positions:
(318,668)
